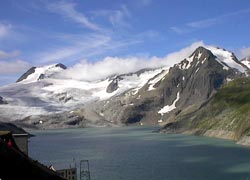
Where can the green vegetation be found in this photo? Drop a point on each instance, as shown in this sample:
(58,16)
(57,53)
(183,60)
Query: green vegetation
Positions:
(236,92)
(228,110)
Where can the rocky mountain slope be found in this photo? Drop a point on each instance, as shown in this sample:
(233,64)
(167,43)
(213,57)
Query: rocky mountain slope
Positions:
(225,115)
(185,87)
(42,99)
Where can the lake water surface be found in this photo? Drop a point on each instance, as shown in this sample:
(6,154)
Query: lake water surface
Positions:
(136,153)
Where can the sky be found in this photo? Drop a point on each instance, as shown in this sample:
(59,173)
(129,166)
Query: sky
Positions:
(97,34)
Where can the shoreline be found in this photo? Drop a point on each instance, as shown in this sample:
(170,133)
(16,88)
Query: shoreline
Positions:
(220,134)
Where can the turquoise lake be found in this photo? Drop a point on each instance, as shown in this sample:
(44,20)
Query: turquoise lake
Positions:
(137,153)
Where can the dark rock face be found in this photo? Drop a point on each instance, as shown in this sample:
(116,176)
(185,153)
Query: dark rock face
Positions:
(25,75)
(61,66)
(194,80)
(42,76)
(2,101)
(75,122)
(113,86)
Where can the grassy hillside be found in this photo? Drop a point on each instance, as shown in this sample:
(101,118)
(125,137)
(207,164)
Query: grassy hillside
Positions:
(228,110)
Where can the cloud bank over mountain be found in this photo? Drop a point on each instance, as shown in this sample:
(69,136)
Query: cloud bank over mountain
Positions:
(90,71)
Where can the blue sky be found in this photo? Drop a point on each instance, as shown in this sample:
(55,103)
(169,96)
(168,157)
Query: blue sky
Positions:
(41,32)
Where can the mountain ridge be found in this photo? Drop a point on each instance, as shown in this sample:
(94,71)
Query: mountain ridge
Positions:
(149,96)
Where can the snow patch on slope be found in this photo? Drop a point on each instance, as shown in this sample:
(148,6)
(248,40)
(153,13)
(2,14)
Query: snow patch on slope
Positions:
(158,78)
(190,60)
(136,82)
(171,107)
(199,55)
(204,60)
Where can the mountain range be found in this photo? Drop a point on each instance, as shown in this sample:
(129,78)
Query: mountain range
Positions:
(206,94)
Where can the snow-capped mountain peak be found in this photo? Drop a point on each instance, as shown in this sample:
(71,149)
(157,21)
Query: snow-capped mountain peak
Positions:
(37,73)
(42,90)
(226,58)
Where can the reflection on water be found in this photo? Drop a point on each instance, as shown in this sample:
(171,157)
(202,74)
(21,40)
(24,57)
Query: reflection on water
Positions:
(136,153)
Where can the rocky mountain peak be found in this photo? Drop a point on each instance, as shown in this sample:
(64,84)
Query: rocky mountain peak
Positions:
(61,66)
(185,87)
(198,57)
(201,53)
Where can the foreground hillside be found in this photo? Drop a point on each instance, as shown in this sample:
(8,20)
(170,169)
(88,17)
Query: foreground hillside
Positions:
(226,115)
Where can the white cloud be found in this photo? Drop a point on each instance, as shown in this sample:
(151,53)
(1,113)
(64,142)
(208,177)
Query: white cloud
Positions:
(83,46)
(10,64)
(142,3)
(13,67)
(68,10)
(209,22)
(118,17)
(146,2)
(4,29)
(178,30)
(114,65)
(244,52)
(205,23)
(4,55)
(178,56)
